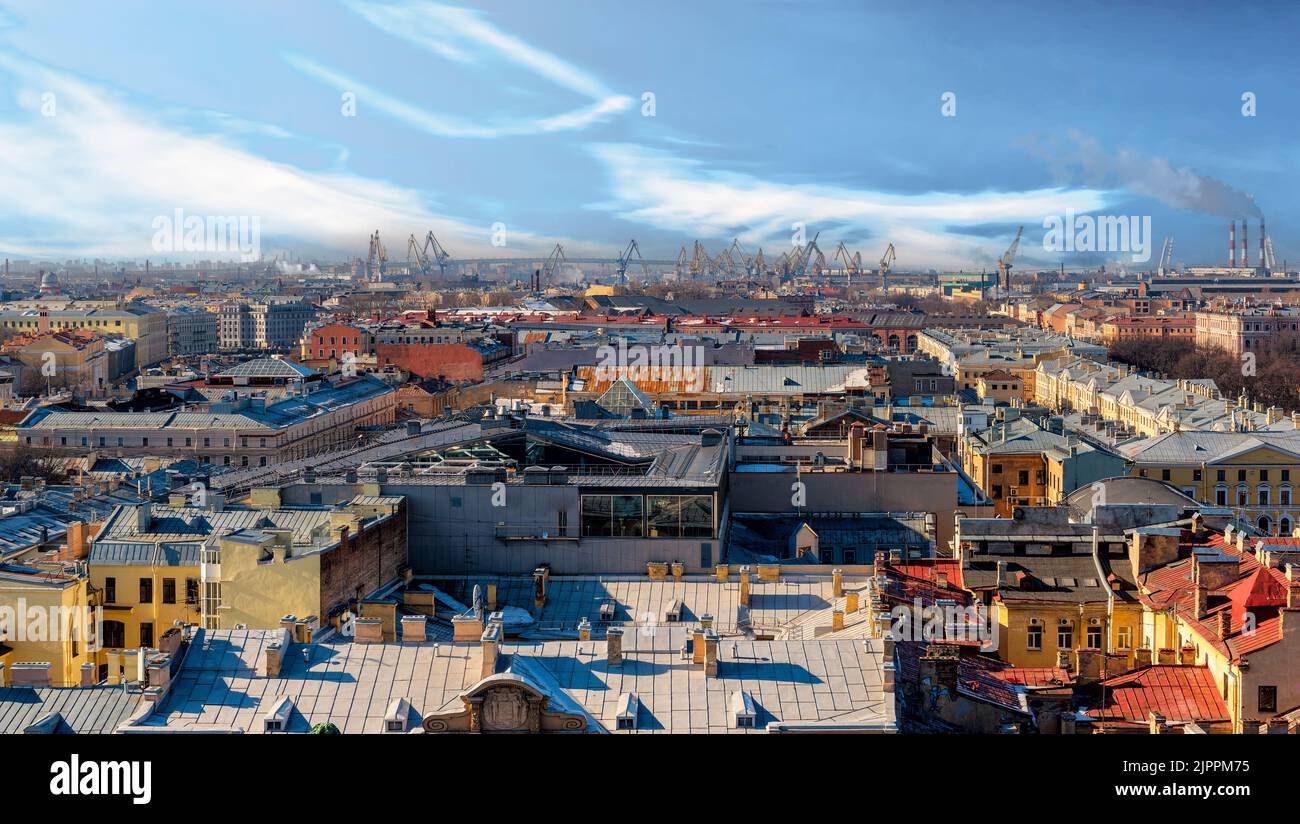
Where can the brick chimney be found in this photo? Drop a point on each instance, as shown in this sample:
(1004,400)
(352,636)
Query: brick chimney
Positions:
(490,643)
(1223,622)
(614,646)
(1088,662)
(940,664)
(1200,599)
(711,653)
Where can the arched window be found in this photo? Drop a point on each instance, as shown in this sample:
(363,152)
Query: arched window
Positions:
(1243,495)
(1284,527)
(1265,525)
(1221,495)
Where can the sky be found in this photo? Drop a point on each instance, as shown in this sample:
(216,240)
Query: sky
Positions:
(506,127)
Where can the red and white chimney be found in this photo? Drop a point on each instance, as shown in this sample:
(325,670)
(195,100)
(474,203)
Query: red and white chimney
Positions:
(1232,243)
(1245,244)
(1261,241)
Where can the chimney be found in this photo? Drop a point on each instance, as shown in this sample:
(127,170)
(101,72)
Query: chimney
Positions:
(1232,243)
(614,646)
(837,583)
(1002,579)
(1200,598)
(880,450)
(1245,245)
(697,645)
(30,674)
(490,643)
(1261,242)
(1166,656)
(1223,622)
(1063,660)
(1087,664)
(857,437)
(744,586)
(711,653)
(940,664)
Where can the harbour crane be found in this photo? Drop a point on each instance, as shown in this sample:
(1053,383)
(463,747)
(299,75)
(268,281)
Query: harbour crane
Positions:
(625,258)
(852,262)
(552,267)
(700,262)
(1004,263)
(758,266)
(377,257)
(682,264)
(886,261)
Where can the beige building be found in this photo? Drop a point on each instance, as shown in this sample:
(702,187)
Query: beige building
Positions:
(246,431)
(1245,331)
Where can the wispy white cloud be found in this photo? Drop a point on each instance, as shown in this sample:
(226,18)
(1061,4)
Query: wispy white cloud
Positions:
(90,180)
(445,125)
(667,192)
(463,36)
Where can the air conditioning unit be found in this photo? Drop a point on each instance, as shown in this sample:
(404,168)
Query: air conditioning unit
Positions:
(1096,622)
(1035,622)
(1065,622)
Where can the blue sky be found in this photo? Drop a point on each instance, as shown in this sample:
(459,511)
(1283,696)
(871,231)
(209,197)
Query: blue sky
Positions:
(531,115)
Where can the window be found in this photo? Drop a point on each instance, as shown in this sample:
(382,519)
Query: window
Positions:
(1124,637)
(1268,699)
(850,555)
(1222,475)
(1023,477)
(1034,636)
(1196,474)
(562,523)
(1263,474)
(1263,495)
(1164,474)
(1284,496)
(1221,496)
(146,590)
(169,590)
(997,469)
(1094,637)
(997,491)
(110,590)
(191,590)
(826,556)
(614,516)
(1065,636)
(146,633)
(679,516)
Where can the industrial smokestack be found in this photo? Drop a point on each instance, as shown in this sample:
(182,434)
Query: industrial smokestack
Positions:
(1245,244)
(1232,243)
(1261,242)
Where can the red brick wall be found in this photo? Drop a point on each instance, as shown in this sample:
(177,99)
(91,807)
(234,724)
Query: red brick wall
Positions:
(452,361)
(367,562)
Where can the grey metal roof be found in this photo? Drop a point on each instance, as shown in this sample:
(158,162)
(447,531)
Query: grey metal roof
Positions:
(114,553)
(84,710)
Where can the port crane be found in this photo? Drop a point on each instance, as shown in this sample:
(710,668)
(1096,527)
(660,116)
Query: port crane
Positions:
(886,261)
(1004,263)
(376,257)
(552,267)
(625,258)
(852,262)
(700,262)
(680,267)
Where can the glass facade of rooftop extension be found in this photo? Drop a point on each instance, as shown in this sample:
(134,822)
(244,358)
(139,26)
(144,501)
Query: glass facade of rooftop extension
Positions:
(647,516)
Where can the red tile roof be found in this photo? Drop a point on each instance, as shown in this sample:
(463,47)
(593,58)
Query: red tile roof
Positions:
(1179,693)
(1258,594)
